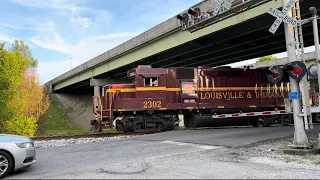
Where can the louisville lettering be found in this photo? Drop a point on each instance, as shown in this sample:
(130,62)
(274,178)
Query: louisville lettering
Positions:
(221,95)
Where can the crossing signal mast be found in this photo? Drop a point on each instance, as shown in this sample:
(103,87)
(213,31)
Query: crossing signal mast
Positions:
(296,68)
(209,12)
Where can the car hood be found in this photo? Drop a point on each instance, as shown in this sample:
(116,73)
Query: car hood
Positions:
(13,138)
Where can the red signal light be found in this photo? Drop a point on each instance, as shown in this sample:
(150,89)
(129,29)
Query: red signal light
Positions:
(183,18)
(274,75)
(296,71)
(194,12)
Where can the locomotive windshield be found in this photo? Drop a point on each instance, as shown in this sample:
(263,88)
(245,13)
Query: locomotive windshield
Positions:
(131,75)
(151,82)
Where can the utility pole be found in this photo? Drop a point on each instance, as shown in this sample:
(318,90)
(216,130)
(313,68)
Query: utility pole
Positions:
(300,137)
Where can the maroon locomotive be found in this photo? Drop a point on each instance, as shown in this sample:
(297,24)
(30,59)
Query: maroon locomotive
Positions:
(157,96)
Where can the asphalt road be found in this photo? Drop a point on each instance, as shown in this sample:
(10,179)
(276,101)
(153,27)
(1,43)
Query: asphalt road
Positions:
(165,155)
(233,137)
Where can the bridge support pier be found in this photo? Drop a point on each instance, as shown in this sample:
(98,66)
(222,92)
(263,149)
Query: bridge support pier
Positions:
(98,83)
(96,91)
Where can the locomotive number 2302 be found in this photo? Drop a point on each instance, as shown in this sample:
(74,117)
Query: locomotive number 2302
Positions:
(151,104)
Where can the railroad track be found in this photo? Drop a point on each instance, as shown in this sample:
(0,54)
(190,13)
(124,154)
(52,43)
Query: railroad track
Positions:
(41,138)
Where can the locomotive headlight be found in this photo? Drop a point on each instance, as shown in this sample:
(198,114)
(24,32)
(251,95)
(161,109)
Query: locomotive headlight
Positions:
(187,88)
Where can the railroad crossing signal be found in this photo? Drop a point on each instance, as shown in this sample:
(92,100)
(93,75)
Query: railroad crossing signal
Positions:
(296,69)
(183,19)
(313,71)
(221,3)
(275,74)
(282,16)
(194,12)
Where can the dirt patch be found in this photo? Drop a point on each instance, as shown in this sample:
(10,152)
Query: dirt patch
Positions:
(271,152)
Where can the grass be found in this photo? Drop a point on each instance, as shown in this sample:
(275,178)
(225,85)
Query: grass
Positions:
(53,123)
(313,158)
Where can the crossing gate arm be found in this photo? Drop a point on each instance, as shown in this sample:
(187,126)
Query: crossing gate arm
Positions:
(251,114)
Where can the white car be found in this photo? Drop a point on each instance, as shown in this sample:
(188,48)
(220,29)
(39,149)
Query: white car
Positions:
(16,152)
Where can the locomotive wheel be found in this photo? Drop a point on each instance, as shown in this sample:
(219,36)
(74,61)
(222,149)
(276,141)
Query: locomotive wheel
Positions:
(95,126)
(137,127)
(261,122)
(190,121)
(258,122)
(119,126)
(159,127)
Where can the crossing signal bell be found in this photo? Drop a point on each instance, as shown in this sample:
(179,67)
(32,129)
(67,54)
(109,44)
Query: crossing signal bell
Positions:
(296,69)
(275,74)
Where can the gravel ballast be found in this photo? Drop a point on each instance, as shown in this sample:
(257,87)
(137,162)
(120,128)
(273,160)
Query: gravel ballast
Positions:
(72,141)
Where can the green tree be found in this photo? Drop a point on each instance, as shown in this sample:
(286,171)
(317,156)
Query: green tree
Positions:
(19,47)
(266,58)
(22,99)
(12,67)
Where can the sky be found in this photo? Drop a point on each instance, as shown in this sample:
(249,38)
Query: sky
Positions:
(63,34)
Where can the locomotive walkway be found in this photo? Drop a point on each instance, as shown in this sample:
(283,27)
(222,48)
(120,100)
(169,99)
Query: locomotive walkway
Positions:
(173,155)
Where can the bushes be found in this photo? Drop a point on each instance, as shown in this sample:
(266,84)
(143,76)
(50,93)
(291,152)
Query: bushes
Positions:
(26,126)
(22,99)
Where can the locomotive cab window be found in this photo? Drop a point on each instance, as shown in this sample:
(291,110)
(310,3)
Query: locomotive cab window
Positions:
(151,82)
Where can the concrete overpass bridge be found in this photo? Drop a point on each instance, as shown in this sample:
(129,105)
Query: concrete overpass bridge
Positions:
(232,36)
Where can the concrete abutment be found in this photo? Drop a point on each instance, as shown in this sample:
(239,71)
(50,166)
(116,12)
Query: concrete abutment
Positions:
(78,108)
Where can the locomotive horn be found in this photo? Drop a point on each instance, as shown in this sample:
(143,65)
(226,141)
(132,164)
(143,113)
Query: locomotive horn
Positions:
(274,74)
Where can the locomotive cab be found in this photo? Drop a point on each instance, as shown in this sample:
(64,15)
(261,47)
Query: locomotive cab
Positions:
(150,87)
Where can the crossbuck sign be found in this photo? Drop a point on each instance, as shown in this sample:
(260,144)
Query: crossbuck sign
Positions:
(223,3)
(282,16)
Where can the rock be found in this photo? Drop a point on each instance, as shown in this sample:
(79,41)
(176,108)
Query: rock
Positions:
(65,142)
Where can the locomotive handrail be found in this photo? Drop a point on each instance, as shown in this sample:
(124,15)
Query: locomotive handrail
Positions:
(110,106)
(101,111)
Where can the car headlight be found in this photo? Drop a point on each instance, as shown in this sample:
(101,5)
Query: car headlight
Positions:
(25,145)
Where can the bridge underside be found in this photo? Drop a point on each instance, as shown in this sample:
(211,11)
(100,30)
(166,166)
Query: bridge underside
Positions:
(246,40)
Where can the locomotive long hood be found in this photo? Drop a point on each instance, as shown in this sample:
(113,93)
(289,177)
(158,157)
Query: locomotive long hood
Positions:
(225,71)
